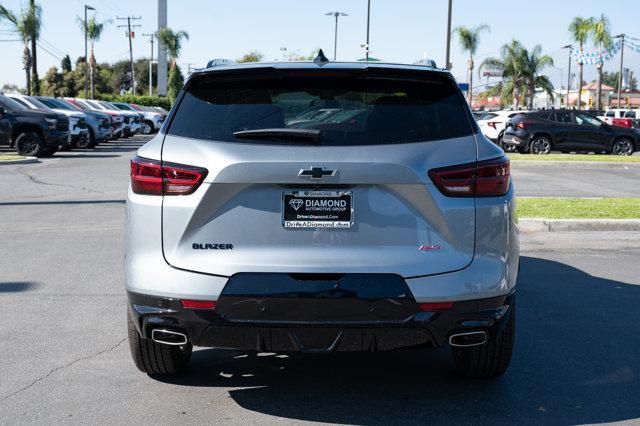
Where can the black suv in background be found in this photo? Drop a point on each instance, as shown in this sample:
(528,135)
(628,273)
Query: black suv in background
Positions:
(540,132)
(32,132)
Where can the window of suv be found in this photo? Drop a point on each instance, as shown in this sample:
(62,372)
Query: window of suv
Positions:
(586,119)
(400,107)
(563,117)
(10,105)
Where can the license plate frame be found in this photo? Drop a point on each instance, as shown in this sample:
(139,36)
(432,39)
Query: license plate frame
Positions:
(321,214)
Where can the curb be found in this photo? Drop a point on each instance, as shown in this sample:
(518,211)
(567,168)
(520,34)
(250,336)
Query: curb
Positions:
(577,164)
(528,226)
(23,161)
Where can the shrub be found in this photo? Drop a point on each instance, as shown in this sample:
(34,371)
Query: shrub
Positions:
(135,99)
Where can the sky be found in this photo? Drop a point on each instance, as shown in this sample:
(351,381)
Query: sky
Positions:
(401,30)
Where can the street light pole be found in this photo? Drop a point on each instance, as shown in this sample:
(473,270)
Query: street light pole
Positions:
(447,63)
(151,36)
(366,52)
(335,36)
(570,47)
(621,37)
(86,58)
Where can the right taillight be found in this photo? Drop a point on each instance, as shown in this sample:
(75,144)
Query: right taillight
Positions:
(520,125)
(151,177)
(489,178)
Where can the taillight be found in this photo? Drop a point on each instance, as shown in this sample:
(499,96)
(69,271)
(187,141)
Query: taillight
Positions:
(489,178)
(151,177)
(493,124)
(520,125)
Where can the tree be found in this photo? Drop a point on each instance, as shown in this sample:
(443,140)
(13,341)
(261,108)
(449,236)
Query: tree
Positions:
(469,41)
(579,29)
(172,42)
(510,64)
(601,34)
(521,70)
(65,64)
(533,64)
(253,56)
(93,31)
(27,24)
(52,83)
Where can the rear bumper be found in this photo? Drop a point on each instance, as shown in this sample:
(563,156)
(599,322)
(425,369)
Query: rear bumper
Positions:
(515,140)
(317,322)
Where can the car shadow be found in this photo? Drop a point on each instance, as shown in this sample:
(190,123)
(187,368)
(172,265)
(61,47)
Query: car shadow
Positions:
(576,361)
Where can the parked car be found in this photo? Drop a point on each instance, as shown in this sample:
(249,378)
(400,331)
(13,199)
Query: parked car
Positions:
(77,120)
(132,119)
(246,233)
(117,117)
(540,132)
(34,132)
(492,123)
(99,124)
(151,121)
(622,117)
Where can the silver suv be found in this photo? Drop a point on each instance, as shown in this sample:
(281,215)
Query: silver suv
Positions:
(391,225)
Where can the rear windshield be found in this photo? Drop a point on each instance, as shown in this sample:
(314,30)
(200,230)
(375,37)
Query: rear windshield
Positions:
(348,109)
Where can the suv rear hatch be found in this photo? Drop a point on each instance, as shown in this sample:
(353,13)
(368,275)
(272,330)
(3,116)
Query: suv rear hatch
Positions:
(290,194)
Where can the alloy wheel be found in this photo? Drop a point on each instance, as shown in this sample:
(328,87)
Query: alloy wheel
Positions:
(540,146)
(623,147)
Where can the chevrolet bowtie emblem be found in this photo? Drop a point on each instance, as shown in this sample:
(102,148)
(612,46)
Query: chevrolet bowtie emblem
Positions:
(316,173)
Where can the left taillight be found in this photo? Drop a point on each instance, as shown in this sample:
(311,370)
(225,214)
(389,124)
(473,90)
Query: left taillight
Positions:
(152,177)
(489,178)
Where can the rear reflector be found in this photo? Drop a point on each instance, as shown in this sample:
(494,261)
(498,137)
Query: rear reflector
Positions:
(198,304)
(436,306)
(489,178)
(151,177)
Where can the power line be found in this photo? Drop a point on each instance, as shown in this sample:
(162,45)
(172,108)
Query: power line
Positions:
(50,53)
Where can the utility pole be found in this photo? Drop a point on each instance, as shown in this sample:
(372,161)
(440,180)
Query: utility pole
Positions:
(130,34)
(570,47)
(162,52)
(189,64)
(86,57)
(335,36)
(621,37)
(151,39)
(447,63)
(366,52)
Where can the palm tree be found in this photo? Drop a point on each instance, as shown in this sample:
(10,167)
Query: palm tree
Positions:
(601,34)
(580,28)
(172,42)
(510,63)
(533,63)
(469,41)
(27,24)
(93,31)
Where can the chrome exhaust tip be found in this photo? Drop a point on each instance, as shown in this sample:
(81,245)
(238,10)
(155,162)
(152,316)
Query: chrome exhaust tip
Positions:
(471,338)
(169,337)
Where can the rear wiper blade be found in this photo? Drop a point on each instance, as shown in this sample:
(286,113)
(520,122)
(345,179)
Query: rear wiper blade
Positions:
(295,135)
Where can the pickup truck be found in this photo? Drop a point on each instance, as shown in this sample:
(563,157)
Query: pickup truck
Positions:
(622,117)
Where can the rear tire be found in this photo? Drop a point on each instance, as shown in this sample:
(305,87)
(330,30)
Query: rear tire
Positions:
(490,360)
(155,358)
(30,143)
(540,145)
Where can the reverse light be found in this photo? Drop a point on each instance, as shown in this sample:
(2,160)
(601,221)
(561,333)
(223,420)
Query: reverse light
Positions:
(489,178)
(198,304)
(151,177)
(436,306)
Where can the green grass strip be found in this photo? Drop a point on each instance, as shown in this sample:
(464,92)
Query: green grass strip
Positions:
(579,208)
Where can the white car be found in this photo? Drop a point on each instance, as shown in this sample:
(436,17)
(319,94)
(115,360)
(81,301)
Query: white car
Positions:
(492,123)
(78,130)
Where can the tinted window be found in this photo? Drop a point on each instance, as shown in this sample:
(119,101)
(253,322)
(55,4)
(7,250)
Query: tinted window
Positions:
(610,114)
(563,117)
(21,102)
(586,119)
(388,109)
(630,114)
(546,116)
(10,104)
(57,103)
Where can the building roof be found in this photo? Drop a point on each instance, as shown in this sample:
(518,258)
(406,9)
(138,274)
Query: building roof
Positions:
(594,86)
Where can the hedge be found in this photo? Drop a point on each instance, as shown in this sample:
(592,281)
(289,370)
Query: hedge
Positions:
(135,99)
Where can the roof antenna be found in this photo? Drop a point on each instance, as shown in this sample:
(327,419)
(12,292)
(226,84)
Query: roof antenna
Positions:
(321,59)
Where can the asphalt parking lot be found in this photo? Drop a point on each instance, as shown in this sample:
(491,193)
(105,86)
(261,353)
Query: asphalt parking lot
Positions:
(64,357)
